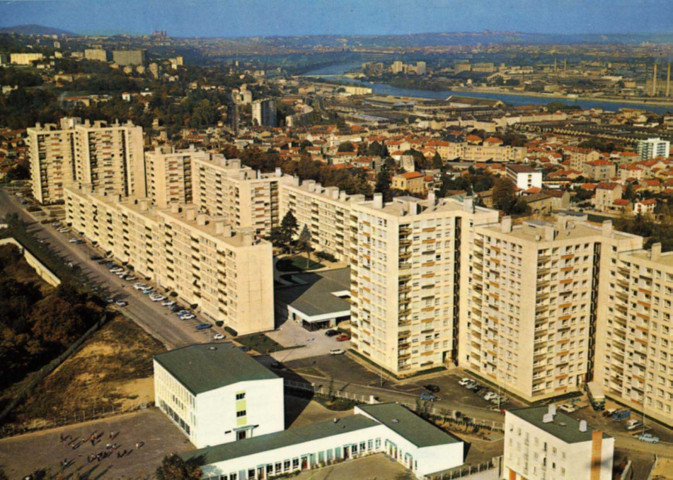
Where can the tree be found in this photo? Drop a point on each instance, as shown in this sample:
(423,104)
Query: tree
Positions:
(175,468)
(504,197)
(383,183)
(288,228)
(346,147)
(437,161)
(304,243)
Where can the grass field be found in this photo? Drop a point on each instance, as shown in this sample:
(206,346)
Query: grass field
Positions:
(261,343)
(296,262)
(112,370)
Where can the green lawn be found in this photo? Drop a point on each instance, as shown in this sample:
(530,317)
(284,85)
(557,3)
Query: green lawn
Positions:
(296,262)
(261,343)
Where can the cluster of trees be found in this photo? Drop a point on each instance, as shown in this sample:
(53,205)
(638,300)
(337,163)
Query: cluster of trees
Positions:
(506,199)
(19,78)
(648,227)
(35,327)
(474,181)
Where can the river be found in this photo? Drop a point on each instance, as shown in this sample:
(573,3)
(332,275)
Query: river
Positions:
(335,72)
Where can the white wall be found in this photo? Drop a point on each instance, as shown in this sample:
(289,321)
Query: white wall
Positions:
(216,411)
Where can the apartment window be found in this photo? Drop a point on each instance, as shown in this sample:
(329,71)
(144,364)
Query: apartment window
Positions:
(241,413)
(240,396)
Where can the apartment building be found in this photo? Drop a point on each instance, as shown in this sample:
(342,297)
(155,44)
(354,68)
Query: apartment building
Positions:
(226,273)
(635,351)
(245,197)
(324,210)
(406,267)
(107,157)
(169,175)
(653,147)
(532,301)
(524,176)
(541,444)
(216,393)
(52,164)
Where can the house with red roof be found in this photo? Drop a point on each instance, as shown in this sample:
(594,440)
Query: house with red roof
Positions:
(643,207)
(413,182)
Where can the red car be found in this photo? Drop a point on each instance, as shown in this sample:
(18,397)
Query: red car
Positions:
(343,338)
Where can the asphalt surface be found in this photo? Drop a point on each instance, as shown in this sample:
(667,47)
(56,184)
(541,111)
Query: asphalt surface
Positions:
(155,319)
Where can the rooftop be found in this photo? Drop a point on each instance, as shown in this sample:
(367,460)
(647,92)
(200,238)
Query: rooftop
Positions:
(273,441)
(563,427)
(204,367)
(407,424)
(315,296)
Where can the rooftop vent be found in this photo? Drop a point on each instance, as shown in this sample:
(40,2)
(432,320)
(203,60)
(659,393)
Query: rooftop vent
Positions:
(395,420)
(547,418)
(212,348)
(583,425)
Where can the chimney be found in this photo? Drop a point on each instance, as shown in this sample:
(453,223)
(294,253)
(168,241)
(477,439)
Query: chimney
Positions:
(144,205)
(551,409)
(583,425)
(506,225)
(201,219)
(656,252)
(191,214)
(549,233)
(432,198)
(607,228)
(468,205)
(378,200)
(247,236)
(278,172)
(222,227)
(175,208)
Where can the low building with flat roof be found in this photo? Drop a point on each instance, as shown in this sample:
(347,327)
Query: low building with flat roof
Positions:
(216,393)
(541,443)
(318,300)
(391,428)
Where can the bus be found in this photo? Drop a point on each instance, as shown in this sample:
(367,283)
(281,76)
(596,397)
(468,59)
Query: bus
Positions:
(596,395)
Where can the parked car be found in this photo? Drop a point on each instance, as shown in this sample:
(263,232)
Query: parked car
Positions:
(109,300)
(218,336)
(189,316)
(336,351)
(167,303)
(620,415)
(175,308)
(633,424)
(490,396)
(121,303)
(131,278)
(427,396)
(649,438)
(139,286)
(95,257)
(431,388)
(147,290)
(203,326)
(343,337)
(331,333)
(157,297)
(464,381)
(566,407)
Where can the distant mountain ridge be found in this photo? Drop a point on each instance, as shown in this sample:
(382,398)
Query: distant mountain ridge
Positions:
(35,30)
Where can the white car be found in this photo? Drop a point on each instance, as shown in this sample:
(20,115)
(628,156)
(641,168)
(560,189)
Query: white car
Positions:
(336,351)
(139,286)
(490,396)
(72,240)
(189,316)
(463,382)
(168,303)
(218,336)
(157,298)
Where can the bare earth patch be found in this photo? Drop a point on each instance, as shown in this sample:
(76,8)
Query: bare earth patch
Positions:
(111,372)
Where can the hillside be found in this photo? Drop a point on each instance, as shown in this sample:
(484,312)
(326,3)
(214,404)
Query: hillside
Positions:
(35,30)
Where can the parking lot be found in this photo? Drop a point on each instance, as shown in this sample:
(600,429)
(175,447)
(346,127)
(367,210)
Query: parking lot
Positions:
(314,344)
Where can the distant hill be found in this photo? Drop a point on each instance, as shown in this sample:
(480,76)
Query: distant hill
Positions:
(34,30)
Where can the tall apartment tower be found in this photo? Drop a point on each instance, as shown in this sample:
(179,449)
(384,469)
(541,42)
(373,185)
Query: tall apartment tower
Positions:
(128,57)
(532,302)
(109,158)
(634,357)
(406,270)
(169,175)
(246,198)
(653,147)
(264,113)
(52,159)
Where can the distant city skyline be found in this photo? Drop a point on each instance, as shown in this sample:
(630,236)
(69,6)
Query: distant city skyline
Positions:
(244,18)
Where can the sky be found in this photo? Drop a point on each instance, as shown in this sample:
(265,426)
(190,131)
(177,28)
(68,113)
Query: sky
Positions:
(241,18)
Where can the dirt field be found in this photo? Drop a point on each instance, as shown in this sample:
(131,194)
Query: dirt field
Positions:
(663,470)
(112,371)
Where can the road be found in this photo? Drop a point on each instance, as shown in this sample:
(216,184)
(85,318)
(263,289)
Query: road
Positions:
(150,316)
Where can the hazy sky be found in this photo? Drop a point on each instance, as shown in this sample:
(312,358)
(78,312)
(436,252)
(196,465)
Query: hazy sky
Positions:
(232,18)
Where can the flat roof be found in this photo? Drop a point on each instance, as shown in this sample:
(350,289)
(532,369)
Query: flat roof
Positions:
(273,441)
(315,297)
(564,427)
(408,425)
(204,367)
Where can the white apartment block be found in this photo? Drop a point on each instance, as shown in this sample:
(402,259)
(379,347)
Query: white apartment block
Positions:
(653,147)
(169,175)
(107,157)
(524,176)
(225,273)
(407,263)
(215,393)
(541,444)
(245,197)
(635,348)
(532,301)
(325,211)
